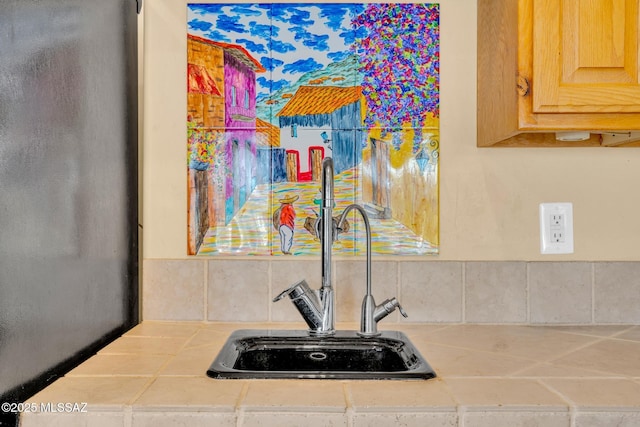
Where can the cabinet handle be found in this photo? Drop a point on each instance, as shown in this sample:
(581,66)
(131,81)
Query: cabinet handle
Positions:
(523,86)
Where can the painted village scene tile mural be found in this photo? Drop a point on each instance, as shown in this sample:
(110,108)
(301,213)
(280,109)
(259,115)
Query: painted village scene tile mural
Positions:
(274,88)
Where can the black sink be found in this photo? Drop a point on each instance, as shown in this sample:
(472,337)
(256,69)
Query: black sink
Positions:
(253,353)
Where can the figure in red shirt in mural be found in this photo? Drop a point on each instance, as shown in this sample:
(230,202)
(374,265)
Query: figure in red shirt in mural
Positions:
(284,221)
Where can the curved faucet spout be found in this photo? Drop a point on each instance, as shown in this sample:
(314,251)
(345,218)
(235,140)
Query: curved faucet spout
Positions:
(371,313)
(368,325)
(367,229)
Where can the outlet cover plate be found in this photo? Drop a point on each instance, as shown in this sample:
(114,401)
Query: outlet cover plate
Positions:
(556,228)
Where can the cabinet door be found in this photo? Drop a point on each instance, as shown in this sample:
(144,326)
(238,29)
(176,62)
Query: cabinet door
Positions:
(585,56)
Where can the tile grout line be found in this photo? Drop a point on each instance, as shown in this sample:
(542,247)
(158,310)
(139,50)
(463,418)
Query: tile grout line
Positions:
(128,415)
(571,405)
(538,361)
(461,412)
(572,418)
(205,304)
(141,392)
(349,410)
(617,334)
(527,276)
(270,291)
(593,293)
(560,355)
(239,411)
(463,305)
(517,374)
(398,288)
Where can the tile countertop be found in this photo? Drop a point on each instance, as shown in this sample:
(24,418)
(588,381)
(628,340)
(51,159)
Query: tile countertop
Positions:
(488,376)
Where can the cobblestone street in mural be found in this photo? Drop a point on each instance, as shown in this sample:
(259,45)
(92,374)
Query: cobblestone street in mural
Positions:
(274,88)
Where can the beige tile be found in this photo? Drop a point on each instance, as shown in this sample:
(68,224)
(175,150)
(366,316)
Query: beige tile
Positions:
(453,361)
(193,393)
(238,291)
(355,326)
(431,395)
(538,343)
(185,419)
(610,355)
(560,292)
(415,331)
(93,419)
(431,291)
(516,419)
(109,393)
(351,285)
(592,330)
(216,335)
(598,394)
(283,275)
(229,327)
(505,394)
(406,419)
(191,361)
(307,419)
(145,345)
(295,395)
(150,328)
(495,292)
(617,292)
(173,290)
(121,364)
(608,419)
(549,370)
(207,337)
(632,334)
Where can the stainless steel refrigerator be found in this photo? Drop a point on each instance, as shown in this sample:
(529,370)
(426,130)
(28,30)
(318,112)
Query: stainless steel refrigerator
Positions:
(68,184)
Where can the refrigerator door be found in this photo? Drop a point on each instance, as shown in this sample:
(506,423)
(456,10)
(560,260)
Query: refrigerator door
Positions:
(68,192)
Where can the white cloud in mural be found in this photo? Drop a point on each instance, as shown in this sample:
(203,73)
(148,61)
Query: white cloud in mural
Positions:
(288,39)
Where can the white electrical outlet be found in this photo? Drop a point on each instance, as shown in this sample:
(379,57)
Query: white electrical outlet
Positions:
(556,228)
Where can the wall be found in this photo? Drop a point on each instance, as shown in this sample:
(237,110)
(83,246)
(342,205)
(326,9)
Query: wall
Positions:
(489,266)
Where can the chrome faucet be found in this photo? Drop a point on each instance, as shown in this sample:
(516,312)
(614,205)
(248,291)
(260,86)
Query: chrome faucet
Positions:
(317,307)
(371,313)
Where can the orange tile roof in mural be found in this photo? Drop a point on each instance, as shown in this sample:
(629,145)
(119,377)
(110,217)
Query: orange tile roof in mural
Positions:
(236,50)
(309,100)
(271,132)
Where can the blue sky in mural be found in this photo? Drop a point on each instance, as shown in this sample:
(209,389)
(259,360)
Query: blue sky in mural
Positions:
(289,40)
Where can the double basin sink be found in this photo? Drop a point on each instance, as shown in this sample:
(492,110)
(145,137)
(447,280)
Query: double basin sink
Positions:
(259,354)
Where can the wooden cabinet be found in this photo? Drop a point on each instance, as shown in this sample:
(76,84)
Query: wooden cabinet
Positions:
(547,66)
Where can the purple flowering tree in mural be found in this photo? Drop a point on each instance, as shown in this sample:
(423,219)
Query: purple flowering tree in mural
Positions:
(399,51)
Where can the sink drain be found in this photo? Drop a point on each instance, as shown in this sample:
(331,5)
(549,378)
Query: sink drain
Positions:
(317,355)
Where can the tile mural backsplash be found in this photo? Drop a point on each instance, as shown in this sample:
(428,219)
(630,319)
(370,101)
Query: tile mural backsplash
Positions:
(274,88)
